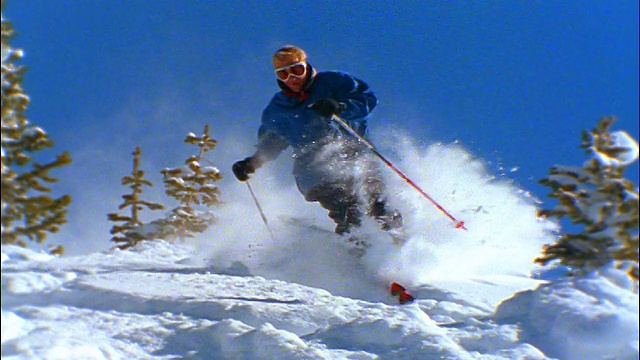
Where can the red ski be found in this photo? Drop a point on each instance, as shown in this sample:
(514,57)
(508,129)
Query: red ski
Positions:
(403,295)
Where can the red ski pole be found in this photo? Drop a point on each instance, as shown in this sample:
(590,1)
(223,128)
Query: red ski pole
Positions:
(459,224)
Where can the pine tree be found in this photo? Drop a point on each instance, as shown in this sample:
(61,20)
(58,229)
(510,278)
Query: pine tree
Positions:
(27,211)
(598,197)
(132,231)
(193,186)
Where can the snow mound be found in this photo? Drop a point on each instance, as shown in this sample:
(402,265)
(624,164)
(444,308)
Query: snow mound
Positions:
(588,317)
(157,302)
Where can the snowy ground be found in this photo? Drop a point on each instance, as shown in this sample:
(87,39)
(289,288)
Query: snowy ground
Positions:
(152,303)
(236,293)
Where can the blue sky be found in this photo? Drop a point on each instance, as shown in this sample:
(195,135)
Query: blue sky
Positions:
(515,82)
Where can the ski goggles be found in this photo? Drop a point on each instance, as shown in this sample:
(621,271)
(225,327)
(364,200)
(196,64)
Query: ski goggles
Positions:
(298,70)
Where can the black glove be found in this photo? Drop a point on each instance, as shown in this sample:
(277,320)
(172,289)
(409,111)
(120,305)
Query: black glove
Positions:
(242,169)
(327,107)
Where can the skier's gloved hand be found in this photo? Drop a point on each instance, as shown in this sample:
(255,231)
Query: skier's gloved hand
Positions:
(327,107)
(242,169)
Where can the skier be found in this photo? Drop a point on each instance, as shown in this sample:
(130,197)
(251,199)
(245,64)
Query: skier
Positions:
(330,165)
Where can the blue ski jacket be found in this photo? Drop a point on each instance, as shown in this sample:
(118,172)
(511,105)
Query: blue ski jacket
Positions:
(288,121)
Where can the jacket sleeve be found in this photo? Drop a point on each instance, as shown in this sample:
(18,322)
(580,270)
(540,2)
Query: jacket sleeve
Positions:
(270,143)
(358,99)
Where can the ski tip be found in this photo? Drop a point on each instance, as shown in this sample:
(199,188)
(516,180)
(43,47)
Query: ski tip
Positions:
(395,289)
(405,298)
(403,295)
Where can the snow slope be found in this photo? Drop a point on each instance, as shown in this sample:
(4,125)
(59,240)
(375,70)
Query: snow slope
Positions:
(237,293)
(152,303)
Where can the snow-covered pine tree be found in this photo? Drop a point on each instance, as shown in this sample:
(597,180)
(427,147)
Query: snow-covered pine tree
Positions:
(598,197)
(132,231)
(193,185)
(27,211)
